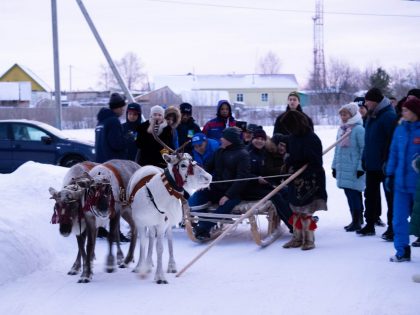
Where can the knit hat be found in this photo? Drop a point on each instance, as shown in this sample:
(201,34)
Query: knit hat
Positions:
(252,127)
(116,101)
(352,108)
(198,139)
(294,93)
(259,133)
(134,107)
(414,92)
(360,100)
(278,137)
(232,134)
(374,95)
(185,108)
(413,105)
(157,109)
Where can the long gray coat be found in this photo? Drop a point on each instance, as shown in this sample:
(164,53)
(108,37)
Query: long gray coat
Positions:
(347,159)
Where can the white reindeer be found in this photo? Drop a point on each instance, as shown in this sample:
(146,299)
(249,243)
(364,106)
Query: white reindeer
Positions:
(156,204)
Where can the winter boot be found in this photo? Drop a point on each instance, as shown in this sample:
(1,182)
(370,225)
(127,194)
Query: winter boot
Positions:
(296,240)
(405,257)
(308,228)
(367,230)
(355,225)
(388,234)
(351,223)
(416,243)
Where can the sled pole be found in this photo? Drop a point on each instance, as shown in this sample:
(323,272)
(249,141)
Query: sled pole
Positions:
(250,211)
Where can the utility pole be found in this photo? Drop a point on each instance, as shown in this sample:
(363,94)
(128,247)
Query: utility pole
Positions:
(105,52)
(57,89)
(319,61)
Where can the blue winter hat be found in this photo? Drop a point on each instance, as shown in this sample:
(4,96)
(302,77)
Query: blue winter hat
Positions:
(198,139)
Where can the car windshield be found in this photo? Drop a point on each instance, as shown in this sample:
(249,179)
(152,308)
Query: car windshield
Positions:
(53,130)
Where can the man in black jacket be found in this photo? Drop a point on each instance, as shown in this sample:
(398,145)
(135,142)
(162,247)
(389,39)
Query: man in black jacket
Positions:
(230,161)
(187,128)
(109,139)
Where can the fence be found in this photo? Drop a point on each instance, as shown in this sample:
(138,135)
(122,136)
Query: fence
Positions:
(85,117)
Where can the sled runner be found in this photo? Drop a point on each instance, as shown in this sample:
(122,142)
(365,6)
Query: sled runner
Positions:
(262,238)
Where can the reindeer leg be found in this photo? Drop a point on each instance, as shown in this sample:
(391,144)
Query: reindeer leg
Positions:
(113,235)
(87,273)
(160,275)
(141,265)
(152,237)
(75,269)
(127,216)
(171,262)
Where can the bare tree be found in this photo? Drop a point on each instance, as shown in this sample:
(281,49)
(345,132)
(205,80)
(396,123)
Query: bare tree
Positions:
(130,67)
(269,64)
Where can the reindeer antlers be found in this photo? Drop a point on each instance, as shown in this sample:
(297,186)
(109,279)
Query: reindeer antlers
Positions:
(177,151)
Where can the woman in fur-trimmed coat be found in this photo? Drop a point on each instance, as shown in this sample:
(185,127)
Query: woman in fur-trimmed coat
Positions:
(150,150)
(173,119)
(307,192)
(347,163)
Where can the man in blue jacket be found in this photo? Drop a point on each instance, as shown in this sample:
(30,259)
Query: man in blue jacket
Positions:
(109,139)
(379,128)
(203,148)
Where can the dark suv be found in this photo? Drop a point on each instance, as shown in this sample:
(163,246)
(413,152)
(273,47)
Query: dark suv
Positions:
(27,140)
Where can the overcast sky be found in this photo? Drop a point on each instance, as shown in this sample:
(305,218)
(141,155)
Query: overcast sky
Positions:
(215,37)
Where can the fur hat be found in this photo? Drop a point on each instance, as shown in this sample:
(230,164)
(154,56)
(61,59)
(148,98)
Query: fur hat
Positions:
(116,101)
(414,92)
(352,108)
(413,105)
(374,95)
(186,108)
(295,94)
(259,133)
(157,109)
(174,111)
(233,135)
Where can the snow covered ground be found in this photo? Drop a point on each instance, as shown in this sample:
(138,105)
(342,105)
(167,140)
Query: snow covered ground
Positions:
(345,274)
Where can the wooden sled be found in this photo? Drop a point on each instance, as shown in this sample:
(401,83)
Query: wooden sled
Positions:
(261,238)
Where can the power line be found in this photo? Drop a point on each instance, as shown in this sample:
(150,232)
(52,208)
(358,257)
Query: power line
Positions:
(283,10)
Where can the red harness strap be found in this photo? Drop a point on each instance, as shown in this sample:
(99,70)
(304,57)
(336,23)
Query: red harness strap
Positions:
(139,185)
(170,189)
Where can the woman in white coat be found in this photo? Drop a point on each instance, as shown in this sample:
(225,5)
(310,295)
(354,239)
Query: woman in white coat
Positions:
(347,165)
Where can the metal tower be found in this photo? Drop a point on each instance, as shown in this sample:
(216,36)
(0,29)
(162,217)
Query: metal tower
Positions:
(319,62)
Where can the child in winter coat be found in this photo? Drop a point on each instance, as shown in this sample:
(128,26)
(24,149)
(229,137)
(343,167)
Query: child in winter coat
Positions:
(133,120)
(213,129)
(405,148)
(307,192)
(347,162)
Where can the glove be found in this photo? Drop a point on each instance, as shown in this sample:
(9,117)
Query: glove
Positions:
(334,173)
(360,174)
(389,183)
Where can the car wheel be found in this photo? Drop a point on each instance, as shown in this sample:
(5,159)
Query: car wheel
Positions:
(71,160)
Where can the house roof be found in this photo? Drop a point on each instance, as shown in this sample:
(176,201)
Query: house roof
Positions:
(179,83)
(44,86)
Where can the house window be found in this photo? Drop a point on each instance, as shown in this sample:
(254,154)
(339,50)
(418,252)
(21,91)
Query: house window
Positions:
(264,97)
(239,97)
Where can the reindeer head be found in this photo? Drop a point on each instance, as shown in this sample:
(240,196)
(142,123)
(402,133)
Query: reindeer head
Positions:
(67,208)
(186,172)
(100,197)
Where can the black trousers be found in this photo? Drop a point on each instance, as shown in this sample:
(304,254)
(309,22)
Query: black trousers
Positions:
(373,203)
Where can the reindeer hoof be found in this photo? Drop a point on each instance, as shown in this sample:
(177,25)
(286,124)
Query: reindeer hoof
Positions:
(110,269)
(162,282)
(72,272)
(84,280)
(123,265)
